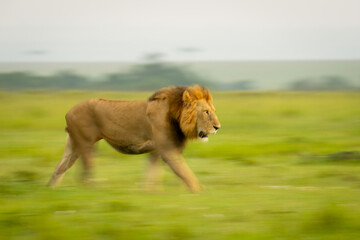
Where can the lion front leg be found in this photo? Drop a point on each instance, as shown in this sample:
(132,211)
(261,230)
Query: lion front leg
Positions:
(181,169)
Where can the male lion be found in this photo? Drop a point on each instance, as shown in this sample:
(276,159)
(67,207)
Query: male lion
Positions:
(159,126)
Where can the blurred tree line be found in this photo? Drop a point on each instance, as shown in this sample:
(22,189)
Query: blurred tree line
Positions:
(148,76)
(327,83)
(151,76)
(26,80)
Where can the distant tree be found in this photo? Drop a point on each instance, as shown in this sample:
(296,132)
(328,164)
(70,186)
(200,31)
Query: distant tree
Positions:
(302,85)
(153,57)
(66,80)
(238,85)
(328,83)
(151,76)
(335,83)
(19,80)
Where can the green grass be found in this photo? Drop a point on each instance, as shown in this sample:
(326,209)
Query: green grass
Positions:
(264,173)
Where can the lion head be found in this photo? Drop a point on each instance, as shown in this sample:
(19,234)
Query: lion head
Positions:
(192,109)
(198,117)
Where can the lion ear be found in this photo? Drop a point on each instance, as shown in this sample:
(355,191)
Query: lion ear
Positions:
(186,97)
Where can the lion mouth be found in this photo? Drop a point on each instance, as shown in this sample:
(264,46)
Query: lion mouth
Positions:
(202,134)
(203,137)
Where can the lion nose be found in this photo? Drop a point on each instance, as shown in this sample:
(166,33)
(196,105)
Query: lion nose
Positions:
(216,127)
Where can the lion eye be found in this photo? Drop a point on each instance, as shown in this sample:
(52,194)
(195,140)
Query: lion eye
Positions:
(207,112)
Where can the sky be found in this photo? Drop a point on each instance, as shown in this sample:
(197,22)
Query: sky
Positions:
(186,30)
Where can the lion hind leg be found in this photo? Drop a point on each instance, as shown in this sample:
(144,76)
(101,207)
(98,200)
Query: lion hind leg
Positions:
(154,174)
(86,155)
(67,161)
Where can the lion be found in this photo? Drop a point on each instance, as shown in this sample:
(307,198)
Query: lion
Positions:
(160,126)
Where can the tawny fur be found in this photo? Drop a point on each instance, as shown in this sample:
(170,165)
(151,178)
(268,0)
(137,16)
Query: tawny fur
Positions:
(160,126)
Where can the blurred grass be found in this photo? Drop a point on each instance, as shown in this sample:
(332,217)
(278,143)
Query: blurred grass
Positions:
(262,173)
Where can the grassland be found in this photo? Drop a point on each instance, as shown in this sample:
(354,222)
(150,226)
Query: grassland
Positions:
(268,173)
